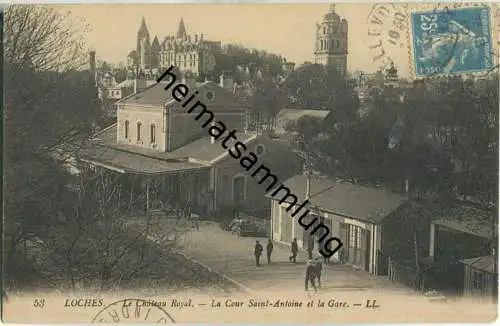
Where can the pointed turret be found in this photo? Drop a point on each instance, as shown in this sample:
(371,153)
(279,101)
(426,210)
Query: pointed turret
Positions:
(143,30)
(155,46)
(181,31)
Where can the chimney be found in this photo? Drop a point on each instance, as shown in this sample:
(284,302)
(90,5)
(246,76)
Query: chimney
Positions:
(93,78)
(308,185)
(226,81)
(212,139)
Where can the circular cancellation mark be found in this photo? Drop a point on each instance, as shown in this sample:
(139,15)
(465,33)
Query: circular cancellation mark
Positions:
(133,311)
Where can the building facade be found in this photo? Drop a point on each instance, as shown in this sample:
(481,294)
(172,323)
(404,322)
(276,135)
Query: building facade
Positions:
(353,213)
(191,53)
(331,41)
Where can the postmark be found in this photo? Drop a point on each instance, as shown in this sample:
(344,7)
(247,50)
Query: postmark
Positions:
(133,311)
(451,41)
(387,30)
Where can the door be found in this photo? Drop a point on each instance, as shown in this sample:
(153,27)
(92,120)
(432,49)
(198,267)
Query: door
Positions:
(286,226)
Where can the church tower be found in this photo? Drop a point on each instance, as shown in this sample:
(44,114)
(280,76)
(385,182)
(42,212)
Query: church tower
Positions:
(143,46)
(331,41)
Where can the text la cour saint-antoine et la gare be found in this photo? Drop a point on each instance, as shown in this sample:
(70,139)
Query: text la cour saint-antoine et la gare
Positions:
(217,129)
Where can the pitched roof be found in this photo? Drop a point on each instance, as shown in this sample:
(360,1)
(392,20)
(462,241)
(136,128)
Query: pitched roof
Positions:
(358,202)
(156,94)
(469,220)
(128,162)
(484,263)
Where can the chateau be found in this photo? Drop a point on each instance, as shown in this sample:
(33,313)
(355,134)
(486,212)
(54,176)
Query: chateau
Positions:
(191,53)
(331,41)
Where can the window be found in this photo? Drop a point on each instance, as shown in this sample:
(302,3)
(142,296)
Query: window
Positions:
(152,133)
(139,125)
(324,30)
(338,43)
(477,280)
(127,124)
(259,150)
(354,236)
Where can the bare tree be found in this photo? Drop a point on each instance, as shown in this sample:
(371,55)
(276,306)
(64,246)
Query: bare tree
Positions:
(43,38)
(96,245)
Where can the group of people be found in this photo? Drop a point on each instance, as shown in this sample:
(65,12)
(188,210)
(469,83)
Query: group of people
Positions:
(181,212)
(314,266)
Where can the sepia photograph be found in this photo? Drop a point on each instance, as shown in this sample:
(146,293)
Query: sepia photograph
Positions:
(250,162)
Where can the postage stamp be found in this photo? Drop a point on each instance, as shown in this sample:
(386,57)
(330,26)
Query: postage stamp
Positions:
(452,41)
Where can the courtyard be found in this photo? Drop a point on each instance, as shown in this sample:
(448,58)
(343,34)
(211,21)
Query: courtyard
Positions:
(232,257)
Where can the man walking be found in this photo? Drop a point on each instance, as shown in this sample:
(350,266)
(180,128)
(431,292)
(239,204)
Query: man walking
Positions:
(318,267)
(258,252)
(310,274)
(269,250)
(295,250)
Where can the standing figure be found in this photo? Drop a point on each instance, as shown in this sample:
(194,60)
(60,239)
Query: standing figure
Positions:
(310,274)
(318,269)
(295,250)
(187,210)
(258,252)
(269,250)
(310,247)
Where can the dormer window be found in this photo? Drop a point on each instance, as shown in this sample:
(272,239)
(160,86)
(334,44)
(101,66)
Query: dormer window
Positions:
(139,125)
(152,133)
(127,126)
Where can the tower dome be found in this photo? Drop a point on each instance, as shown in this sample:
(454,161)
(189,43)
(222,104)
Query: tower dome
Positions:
(331,16)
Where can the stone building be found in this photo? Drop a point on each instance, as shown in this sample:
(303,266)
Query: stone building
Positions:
(156,139)
(191,53)
(331,41)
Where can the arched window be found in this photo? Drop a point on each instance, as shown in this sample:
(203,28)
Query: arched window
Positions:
(127,125)
(139,125)
(152,133)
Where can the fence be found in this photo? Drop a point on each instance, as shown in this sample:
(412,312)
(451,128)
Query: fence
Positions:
(404,274)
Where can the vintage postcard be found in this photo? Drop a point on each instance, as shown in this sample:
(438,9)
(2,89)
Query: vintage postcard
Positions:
(251,162)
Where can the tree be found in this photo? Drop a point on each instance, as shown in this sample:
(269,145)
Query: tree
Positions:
(43,38)
(267,101)
(315,86)
(46,103)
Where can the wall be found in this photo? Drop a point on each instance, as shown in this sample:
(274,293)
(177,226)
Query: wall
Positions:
(486,291)
(281,162)
(147,115)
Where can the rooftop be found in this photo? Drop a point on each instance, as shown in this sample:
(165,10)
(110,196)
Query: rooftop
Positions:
(484,263)
(358,202)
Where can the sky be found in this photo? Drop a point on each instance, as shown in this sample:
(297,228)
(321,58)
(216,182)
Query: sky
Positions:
(284,29)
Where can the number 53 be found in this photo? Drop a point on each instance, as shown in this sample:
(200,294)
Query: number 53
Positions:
(428,23)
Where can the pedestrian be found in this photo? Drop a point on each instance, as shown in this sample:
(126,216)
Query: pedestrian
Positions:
(318,269)
(310,274)
(295,250)
(187,210)
(269,250)
(258,252)
(310,247)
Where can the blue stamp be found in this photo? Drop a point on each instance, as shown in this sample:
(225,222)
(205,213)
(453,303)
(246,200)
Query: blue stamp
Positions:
(452,41)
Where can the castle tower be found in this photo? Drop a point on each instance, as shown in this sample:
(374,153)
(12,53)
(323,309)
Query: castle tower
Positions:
(143,46)
(181,31)
(331,41)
